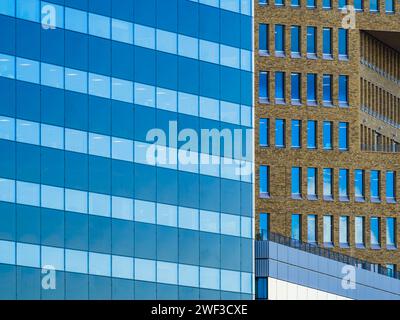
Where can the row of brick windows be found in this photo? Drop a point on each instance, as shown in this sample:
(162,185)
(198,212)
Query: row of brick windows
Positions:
(279,47)
(329,134)
(328,180)
(359,5)
(311,81)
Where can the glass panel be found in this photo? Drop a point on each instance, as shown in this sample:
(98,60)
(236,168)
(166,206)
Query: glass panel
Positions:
(327,135)
(359,183)
(122,31)
(296,133)
(296,182)
(327,229)
(375,231)
(296,227)
(28,70)
(343,184)
(76,20)
(264,132)
(7,66)
(280,129)
(343,230)
(359,232)
(312,228)
(312,181)
(391,232)
(99,26)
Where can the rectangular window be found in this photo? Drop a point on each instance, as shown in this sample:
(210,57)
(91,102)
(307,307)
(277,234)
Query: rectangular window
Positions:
(390,233)
(312,183)
(312,228)
(327,89)
(327,135)
(311,4)
(295,41)
(263,87)
(296,88)
(389,6)
(311,42)
(279,2)
(373,5)
(280,87)
(375,232)
(311,134)
(343,91)
(263,37)
(312,89)
(296,227)
(279,40)
(328,183)
(264,132)
(327,4)
(344,231)
(358,5)
(359,185)
(342,4)
(261,288)
(328,230)
(280,129)
(343,184)
(343,44)
(359,231)
(391,270)
(264,181)
(343,136)
(375,185)
(296,183)
(264,226)
(262,2)
(296,134)
(295,3)
(327,43)
(390,186)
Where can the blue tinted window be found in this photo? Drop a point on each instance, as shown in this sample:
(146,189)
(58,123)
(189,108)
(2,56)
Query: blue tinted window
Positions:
(76,20)
(327,89)
(296,227)
(312,228)
(261,288)
(342,3)
(311,88)
(358,4)
(295,39)
(7,7)
(359,231)
(391,270)
(374,5)
(328,229)
(263,87)
(343,43)
(280,86)
(389,6)
(327,42)
(343,136)
(359,184)
(344,230)
(28,10)
(327,135)
(328,183)
(327,4)
(296,133)
(264,225)
(280,127)
(312,182)
(264,180)
(263,34)
(311,40)
(279,38)
(311,3)
(264,132)
(279,2)
(311,134)
(296,88)
(343,90)
(391,232)
(296,182)
(375,231)
(295,3)
(343,184)
(390,186)
(375,185)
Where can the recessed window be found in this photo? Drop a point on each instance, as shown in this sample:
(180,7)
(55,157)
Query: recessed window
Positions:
(327,4)
(296,183)
(296,88)
(342,4)
(343,136)
(295,3)
(312,42)
(264,226)
(359,185)
(312,183)
(375,232)
(311,134)
(327,90)
(280,129)
(375,185)
(390,186)
(389,6)
(263,38)
(295,45)
(343,184)
(279,87)
(311,89)
(327,43)
(279,3)
(280,40)
(391,270)
(263,87)
(296,227)
(327,135)
(343,40)
(328,230)
(359,232)
(327,183)
(373,5)
(312,229)
(343,91)
(261,288)
(359,5)
(311,4)
(264,132)
(296,134)
(344,231)
(391,233)
(264,181)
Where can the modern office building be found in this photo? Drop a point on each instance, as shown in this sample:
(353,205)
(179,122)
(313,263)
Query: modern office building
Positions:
(327,124)
(86,209)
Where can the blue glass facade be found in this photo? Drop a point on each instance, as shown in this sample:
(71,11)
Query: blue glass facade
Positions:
(82,83)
